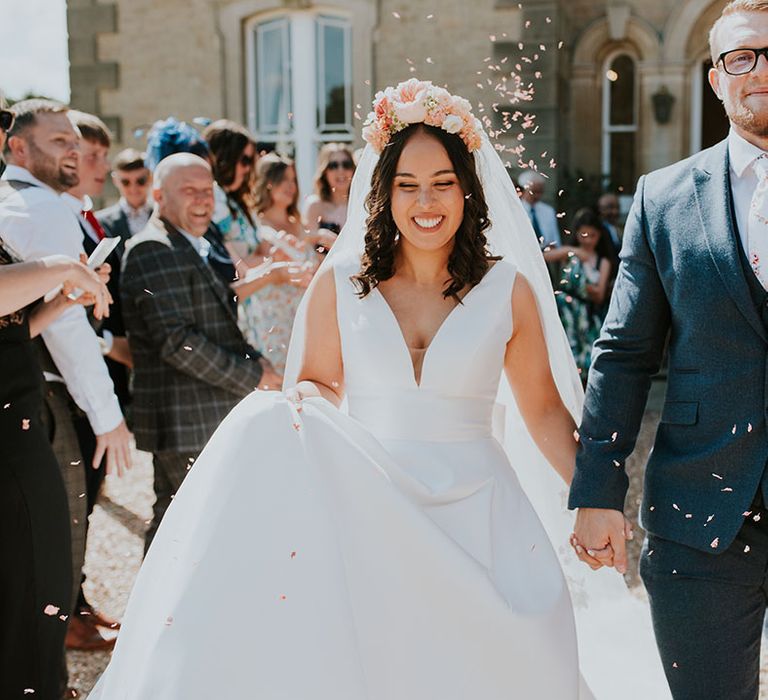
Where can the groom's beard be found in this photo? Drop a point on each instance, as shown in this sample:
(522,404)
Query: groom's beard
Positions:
(746,118)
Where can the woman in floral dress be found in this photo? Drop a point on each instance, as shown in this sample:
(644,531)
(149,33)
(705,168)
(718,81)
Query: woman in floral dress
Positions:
(265,302)
(584,286)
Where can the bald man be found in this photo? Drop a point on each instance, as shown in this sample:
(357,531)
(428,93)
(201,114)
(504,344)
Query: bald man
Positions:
(543,216)
(191,363)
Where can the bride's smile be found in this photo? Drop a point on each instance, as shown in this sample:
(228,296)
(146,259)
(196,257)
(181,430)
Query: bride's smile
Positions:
(427,199)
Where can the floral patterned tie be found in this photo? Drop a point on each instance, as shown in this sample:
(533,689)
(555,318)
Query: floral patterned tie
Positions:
(757,227)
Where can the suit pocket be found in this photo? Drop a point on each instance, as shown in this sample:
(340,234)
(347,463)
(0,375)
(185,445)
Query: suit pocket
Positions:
(680,412)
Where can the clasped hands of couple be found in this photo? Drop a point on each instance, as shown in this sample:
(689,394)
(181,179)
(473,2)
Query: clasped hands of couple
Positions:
(600,536)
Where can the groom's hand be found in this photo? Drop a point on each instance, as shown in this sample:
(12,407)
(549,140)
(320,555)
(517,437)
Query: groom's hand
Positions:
(602,533)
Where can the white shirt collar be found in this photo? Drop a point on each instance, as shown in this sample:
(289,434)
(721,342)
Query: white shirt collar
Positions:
(741,153)
(16,172)
(73,203)
(201,246)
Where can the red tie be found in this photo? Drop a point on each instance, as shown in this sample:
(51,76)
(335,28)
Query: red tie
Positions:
(94,222)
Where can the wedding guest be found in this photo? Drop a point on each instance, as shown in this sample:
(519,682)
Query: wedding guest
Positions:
(36,579)
(93,171)
(583,290)
(326,208)
(275,198)
(191,362)
(130,214)
(543,216)
(36,583)
(169,136)
(609,210)
(42,150)
(233,155)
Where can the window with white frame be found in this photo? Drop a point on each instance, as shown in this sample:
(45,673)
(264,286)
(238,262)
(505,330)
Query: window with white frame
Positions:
(273,78)
(300,84)
(620,117)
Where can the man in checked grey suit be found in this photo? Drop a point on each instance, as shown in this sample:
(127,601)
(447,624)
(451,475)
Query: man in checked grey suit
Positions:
(693,271)
(191,363)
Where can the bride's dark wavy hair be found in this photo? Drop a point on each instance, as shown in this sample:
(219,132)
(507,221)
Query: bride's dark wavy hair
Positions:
(469,259)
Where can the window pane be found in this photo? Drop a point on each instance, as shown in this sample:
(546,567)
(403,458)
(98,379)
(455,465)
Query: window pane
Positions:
(333,75)
(623,161)
(273,89)
(622,88)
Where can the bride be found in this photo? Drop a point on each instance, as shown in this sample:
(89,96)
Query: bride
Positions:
(387,551)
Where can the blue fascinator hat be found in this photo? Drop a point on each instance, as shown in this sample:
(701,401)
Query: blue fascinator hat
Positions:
(169,136)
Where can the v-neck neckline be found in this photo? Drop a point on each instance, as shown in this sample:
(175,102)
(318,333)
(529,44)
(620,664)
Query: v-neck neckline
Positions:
(404,345)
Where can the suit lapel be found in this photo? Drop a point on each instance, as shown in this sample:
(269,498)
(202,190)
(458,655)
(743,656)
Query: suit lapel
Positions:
(713,196)
(123,229)
(182,244)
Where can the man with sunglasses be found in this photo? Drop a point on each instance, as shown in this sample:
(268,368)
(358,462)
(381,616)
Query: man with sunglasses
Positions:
(693,278)
(131,213)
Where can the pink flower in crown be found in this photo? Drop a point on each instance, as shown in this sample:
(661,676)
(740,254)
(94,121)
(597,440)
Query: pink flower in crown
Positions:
(461,106)
(376,136)
(415,101)
(410,90)
(381,106)
(409,106)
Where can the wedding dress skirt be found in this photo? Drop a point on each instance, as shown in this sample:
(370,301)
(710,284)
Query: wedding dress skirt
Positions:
(388,554)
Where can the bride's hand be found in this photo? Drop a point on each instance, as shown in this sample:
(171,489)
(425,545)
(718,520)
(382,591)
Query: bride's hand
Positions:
(601,533)
(295,396)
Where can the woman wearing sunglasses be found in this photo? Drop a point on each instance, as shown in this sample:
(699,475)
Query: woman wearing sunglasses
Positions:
(271,293)
(326,209)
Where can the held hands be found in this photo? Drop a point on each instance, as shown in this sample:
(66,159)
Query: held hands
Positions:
(599,538)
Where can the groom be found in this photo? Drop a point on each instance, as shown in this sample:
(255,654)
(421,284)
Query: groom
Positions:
(694,271)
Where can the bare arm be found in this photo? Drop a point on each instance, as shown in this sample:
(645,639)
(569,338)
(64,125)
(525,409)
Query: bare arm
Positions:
(597,292)
(23,283)
(322,370)
(313,215)
(526,364)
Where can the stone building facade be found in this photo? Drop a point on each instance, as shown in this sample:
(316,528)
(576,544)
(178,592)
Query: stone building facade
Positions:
(618,86)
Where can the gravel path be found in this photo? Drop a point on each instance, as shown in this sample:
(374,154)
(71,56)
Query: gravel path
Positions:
(116,544)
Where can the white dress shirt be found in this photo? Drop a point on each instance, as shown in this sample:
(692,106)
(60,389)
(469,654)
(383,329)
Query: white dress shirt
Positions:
(78,206)
(741,156)
(36,222)
(547,220)
(137,218)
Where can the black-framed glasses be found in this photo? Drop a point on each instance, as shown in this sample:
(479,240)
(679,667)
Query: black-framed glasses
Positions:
(6,119)
(247,161)
(336,164)
(741,61)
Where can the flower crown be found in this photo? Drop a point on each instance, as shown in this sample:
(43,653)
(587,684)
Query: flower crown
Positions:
(416,102)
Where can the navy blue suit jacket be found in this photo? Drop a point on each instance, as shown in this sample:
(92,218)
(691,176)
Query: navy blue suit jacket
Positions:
(680,278)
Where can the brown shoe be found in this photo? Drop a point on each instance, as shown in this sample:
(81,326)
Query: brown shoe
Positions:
(71,694)
(98,618)
(84,636)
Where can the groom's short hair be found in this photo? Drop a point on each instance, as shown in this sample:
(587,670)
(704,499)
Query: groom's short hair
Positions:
(731,8)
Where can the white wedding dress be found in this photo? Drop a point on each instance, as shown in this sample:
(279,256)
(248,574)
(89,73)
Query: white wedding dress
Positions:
(390,554)
(388,551)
